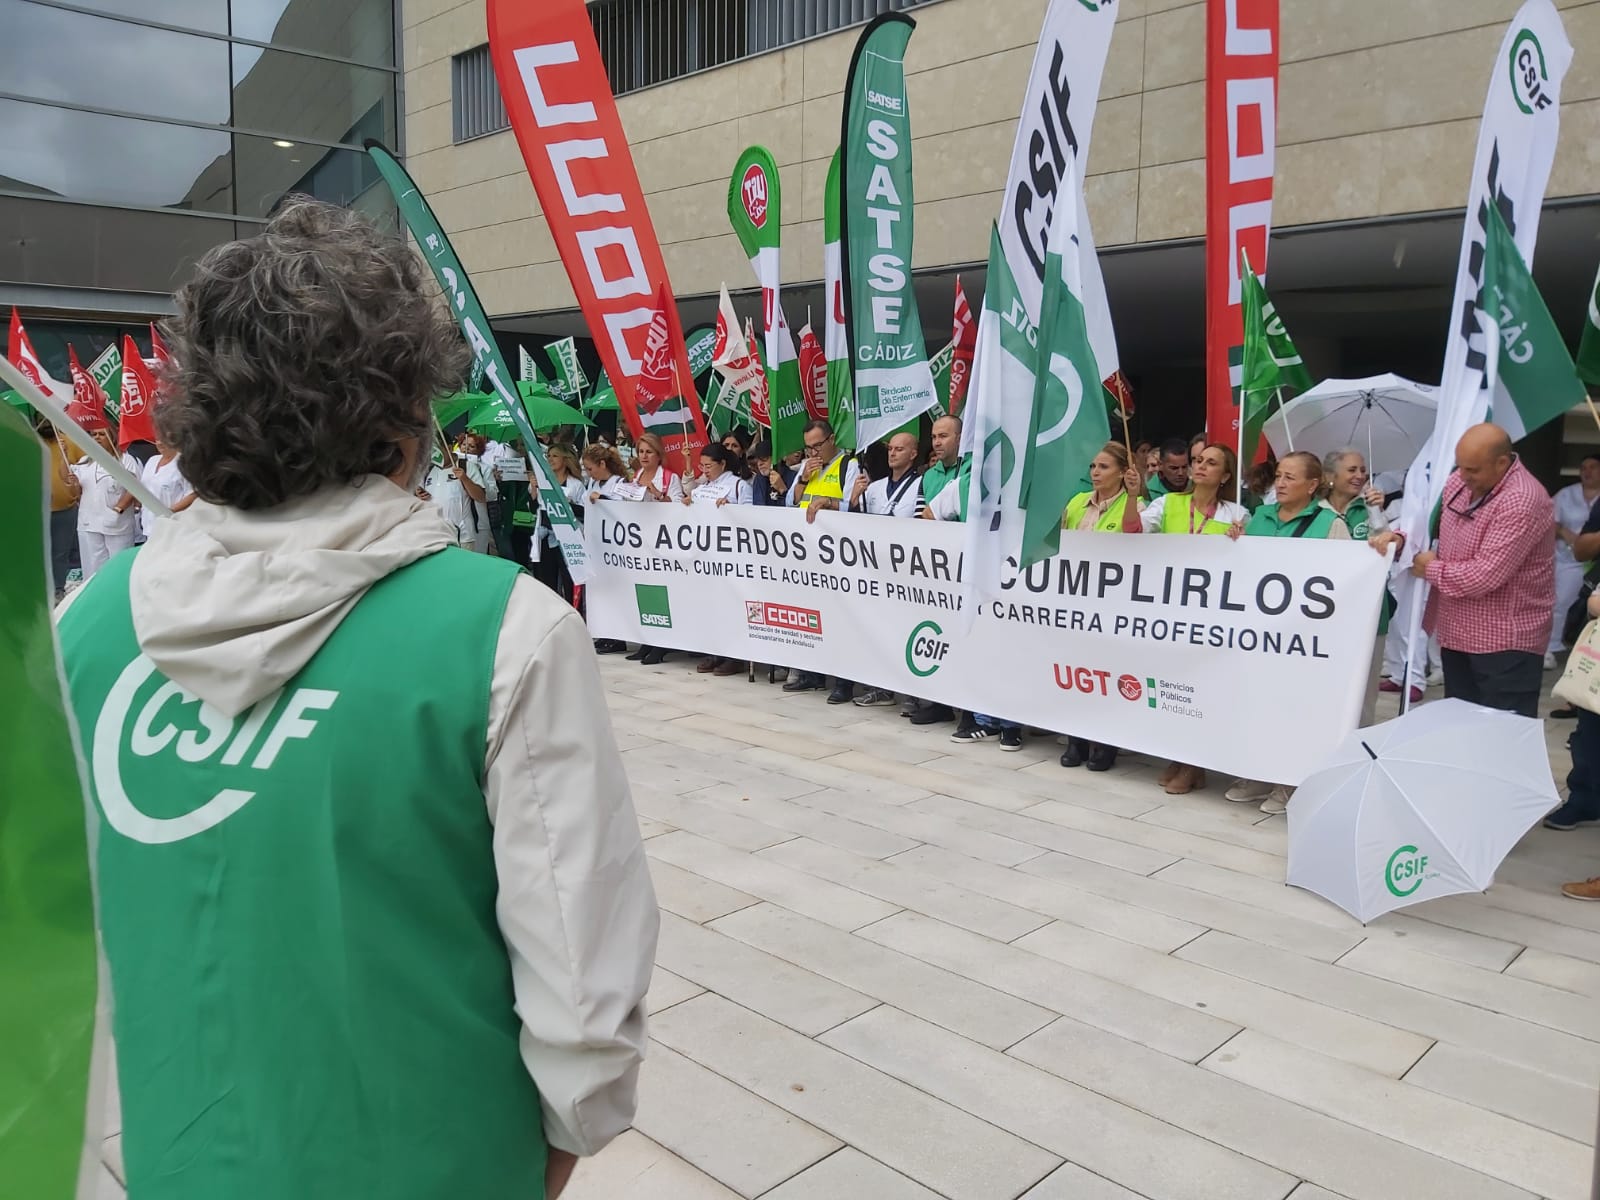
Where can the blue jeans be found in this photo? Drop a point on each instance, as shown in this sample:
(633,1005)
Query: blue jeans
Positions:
(994,723)
(1583,782)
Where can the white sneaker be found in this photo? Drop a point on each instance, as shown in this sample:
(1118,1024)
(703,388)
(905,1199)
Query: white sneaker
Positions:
(1248,791)
(1277,802)
(1549,661)
(1436,677)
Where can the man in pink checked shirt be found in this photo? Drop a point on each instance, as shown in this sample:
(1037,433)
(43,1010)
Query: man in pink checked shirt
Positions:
(1492,577)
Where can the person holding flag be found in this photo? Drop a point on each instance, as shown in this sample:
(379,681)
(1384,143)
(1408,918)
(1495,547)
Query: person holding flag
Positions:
(372,927)
(107,522)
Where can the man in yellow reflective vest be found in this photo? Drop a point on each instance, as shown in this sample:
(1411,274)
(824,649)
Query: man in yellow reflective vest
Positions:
(825,479)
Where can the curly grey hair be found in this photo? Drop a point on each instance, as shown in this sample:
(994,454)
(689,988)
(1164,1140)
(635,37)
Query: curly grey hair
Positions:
(303,357)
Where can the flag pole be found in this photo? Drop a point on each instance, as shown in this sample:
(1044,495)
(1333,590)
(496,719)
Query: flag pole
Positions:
(1288,435)
(52,409)
(1595,412)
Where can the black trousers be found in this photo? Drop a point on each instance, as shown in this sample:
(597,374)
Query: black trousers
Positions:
(1511,680)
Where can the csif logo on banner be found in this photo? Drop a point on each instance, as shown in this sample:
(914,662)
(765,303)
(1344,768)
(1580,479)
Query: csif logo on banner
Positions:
(926,649)
(1529,75)
(162,724)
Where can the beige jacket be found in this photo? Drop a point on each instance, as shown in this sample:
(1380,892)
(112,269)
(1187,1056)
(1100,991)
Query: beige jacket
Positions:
(230,605)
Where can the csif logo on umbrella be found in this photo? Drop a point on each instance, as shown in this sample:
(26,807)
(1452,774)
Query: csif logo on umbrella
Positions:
(1406,871)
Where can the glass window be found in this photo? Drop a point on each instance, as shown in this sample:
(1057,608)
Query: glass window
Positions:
(358,29)
(54,54)
(208,16)
(267,172)
(79,245)
(113,160)
(276,91)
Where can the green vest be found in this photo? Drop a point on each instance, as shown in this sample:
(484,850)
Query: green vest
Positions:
(1176,511)
(1110,521)
(1314,522)
(313,1000)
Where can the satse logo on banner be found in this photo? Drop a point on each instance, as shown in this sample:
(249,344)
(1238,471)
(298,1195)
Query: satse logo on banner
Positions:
(160,724)
(655,606)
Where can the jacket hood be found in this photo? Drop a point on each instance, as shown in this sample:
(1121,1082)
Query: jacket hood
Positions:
(230,604)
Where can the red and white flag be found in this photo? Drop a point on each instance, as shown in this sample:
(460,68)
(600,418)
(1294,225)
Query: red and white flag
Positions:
(21,354)
(731,354)
(565,119)
(654,387)
(158,348)
(135,417)
(813,375)
(964,337)
(88,406)
(760,409)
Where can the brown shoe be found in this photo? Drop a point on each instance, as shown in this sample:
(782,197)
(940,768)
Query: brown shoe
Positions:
(708,665)
(1168,774)
(729,666)
(1182,781)
(1589,889)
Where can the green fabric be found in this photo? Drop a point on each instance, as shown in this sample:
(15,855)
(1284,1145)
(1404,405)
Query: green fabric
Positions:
(755,210)
(841,392)
(1067,426)
(313,997)
(1588,364)
(1157,486)
(1270,363)
(1358,520)
(47,947)
(1533,365)
(1266,522)
(448,408)
(936,476)
(1176,514)
(1110,521)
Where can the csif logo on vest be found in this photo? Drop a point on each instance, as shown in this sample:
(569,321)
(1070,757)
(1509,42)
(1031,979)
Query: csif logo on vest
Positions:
(160,724)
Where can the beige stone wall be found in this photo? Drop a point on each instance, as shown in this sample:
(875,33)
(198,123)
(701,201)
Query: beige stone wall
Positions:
(1378,106)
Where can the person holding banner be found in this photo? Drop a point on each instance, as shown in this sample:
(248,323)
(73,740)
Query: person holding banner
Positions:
(1110,506)
(606,476)
(721,484)
(107,523)
(650,470)
(1298,512)
(826,477)
(1350,494)
(1210,507)
(372,927)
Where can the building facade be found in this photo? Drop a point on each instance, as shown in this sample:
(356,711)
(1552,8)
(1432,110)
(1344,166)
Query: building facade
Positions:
(137,134)
(1377,123)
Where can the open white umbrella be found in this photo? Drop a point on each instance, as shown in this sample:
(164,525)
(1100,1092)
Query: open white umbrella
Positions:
(1387,418)
(1423,806)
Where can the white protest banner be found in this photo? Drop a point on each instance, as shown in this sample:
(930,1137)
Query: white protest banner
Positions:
(1247,656)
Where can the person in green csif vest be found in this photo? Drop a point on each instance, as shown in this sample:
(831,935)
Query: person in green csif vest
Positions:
(370,884)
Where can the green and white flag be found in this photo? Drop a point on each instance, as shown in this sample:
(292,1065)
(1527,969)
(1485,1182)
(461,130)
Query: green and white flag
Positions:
(570,381)
(835,337)
(1271,364)
(47,925)
(106,370)
(487,359)
(755,211)
(940,365)
(1069,424)
(996,435)
(527,369)
(1525,350)
(893,384)
(1589,347)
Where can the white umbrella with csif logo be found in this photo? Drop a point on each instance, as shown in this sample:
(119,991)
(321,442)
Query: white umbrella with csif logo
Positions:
(1423,806)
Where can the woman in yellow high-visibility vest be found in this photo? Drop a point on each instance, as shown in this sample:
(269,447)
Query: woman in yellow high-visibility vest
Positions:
(1111,505)
(1209,506)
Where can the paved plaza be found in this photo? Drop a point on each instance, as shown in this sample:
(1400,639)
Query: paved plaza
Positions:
(896,968)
